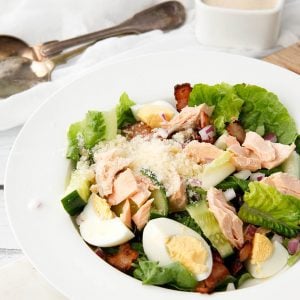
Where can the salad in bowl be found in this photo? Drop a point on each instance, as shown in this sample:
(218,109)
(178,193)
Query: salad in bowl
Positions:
(199,196)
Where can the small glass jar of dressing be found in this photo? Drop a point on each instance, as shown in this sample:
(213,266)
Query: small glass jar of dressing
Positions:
(240,24)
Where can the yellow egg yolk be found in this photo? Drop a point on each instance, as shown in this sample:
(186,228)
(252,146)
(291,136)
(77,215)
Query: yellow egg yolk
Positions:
(101,207)
(188,251)
(262,249)
(154,115)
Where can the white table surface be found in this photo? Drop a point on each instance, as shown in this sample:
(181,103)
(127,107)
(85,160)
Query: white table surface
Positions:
(9,248)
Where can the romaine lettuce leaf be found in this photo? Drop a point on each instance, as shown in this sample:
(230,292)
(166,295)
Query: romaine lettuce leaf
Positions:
(175,274)
(223,97)
(266,207)
(93,128)
(73,151)
(124,113)
(262,109)
(185,219)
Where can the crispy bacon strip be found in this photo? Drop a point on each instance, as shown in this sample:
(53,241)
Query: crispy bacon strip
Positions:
(182,93)
(204,119)
(219,273)
(138,128)
(123,259)
(245,252)
(235,129)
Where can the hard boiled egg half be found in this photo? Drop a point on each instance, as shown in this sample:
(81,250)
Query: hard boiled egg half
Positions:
(155,113)
(167,241)
(267,257)
(99,226)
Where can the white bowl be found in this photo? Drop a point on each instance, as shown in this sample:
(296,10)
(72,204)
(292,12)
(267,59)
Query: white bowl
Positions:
(37,169)
(252,28)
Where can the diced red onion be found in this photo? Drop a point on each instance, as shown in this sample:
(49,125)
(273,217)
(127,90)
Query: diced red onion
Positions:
(194,182)
(257,176)
(271,137)
(244,174)
(229,194)
(293,246)
(163,116)
(207,133)
(277,238)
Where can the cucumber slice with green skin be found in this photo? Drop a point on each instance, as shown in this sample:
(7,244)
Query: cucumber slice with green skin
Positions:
(292,165)
(209,225)
(160,205)
(77,193)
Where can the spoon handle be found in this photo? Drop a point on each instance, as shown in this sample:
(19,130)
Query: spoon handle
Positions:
(164,16)
(53,48)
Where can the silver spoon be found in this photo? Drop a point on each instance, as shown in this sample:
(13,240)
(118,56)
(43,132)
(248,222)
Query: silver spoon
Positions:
(165,16)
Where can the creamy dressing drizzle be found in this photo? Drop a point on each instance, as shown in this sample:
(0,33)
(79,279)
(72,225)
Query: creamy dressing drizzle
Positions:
(243,4)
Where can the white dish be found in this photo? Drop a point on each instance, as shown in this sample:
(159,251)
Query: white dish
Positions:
(233,27)
(37,168)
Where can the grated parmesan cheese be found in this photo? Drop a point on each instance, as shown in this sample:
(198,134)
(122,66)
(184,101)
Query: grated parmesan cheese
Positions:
(164,157)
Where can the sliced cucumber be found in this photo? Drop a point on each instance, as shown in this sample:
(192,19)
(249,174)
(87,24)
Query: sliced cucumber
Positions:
(160,205)
(110,120)
(209,225)
(216,171)
(77,193)
(292,165)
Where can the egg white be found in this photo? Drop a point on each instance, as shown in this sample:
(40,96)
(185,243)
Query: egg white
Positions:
(155,235)
(101,232)
(275,263)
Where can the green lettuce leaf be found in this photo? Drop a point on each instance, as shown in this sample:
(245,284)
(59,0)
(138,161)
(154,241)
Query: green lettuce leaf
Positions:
(93,128)
(124,113)
(297,143)
(175,274)
(234,183)
(265,206)
(73,151)
(223,97)
(262,109)
(185,219)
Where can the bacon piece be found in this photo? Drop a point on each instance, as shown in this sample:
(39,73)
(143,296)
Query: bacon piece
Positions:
(217,257)
(218,273)
(236,130)
(124,258)
(138,128)
(204,119)
(245,252)
(249,232)
(182,93)
(236,267)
